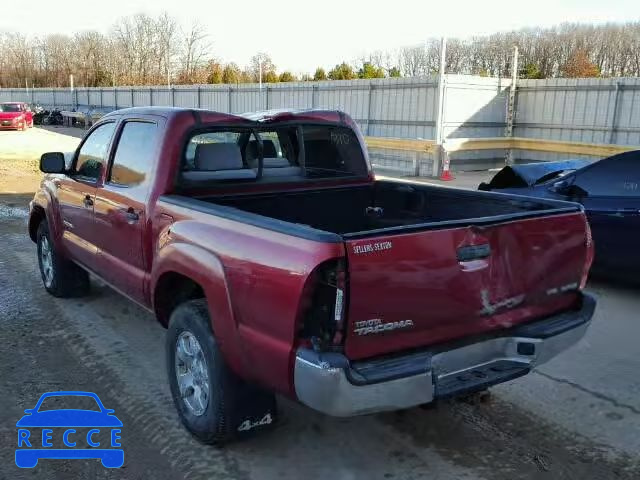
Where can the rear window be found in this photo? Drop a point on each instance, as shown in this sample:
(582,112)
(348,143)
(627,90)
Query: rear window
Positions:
(289,153)
(332,152)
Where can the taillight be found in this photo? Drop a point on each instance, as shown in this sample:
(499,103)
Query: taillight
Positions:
(323,312)
(588,242)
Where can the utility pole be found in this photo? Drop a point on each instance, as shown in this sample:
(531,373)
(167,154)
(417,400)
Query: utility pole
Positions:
(511,106)
(441,158)
(71,88)
(168,72)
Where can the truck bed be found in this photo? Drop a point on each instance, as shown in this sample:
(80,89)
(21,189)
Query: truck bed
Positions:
(441,263)
(355,212)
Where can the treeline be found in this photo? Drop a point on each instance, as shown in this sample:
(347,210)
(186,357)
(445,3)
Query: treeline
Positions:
(148,50)
(567,50)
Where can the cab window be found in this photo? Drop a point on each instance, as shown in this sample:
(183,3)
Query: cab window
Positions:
(93,152)
(133,159)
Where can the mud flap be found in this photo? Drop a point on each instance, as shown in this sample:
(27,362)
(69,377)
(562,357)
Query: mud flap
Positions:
(254,410)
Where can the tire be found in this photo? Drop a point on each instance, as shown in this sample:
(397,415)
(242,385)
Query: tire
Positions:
(60,277)
(232,407)
(31,124)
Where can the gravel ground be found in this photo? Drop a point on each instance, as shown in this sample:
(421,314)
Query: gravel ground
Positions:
(577,417)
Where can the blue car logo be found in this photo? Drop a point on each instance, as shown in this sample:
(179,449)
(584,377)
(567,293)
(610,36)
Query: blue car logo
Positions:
(69,433)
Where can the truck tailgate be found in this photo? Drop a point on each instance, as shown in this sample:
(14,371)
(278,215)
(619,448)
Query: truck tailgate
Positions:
(410,290)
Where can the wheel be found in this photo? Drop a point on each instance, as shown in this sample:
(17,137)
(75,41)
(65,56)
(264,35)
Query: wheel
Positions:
(61,277)
(31,123)
(23,127)
(214,404)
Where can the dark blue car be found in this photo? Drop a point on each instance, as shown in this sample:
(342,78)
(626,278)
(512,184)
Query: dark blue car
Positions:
(609,189)
(51,430)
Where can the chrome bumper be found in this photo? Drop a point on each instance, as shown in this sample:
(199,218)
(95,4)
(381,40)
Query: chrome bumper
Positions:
(329,383)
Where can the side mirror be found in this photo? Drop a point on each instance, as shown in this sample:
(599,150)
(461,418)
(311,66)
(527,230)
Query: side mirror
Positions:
(29,411)
(52,162)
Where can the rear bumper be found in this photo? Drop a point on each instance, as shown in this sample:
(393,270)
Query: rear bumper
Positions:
(330,383)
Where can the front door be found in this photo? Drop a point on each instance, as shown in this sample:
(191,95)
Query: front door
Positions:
(76,195)
(121,217)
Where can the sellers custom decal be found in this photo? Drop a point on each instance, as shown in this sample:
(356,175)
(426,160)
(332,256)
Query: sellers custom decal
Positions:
(376,325)
(372,247)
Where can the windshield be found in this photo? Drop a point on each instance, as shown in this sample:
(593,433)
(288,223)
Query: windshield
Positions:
(268,154)
(9,107)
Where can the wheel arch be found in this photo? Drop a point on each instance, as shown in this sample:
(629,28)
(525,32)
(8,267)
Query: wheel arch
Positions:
(184,272)
(38,214)
(173,288)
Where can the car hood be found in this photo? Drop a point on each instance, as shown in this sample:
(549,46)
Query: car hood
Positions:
(69,418)
(10,115)
(528,174)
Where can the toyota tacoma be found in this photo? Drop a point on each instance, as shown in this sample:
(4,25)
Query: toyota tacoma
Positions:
(279,264)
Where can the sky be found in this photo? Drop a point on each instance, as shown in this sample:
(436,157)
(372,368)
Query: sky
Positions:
(301,35)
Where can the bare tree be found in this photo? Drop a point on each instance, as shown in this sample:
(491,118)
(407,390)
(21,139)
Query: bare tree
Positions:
(150,50)
(193,54)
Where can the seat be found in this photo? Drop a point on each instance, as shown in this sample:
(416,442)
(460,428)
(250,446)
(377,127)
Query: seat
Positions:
(268,149)
(270,160)
(219,161)
(275,162)
(287,171)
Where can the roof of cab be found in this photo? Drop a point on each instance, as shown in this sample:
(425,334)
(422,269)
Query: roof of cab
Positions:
(263,116)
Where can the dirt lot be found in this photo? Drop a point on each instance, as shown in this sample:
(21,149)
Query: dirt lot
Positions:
(577,417)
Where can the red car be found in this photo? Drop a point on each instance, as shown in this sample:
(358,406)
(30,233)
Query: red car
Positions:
(15,116)
(279,264)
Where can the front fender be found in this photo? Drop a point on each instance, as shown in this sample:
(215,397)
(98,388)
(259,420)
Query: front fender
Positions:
(206,269)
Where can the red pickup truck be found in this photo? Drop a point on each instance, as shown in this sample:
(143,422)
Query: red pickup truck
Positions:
(15,116)
(280,264)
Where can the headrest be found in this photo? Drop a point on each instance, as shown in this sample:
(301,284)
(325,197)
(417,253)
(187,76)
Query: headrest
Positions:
(268,148)
(218,156)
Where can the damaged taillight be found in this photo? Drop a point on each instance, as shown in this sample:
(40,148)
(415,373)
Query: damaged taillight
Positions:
(588,241)
(323,312)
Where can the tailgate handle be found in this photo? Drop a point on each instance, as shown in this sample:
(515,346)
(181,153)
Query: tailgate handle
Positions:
(473,252)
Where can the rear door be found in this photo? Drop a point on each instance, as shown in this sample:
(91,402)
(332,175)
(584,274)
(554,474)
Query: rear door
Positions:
(416,289)
(121,217)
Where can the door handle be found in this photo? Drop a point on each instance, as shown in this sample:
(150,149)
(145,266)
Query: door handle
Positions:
(88,201)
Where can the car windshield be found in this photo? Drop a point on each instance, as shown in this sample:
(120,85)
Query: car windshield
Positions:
(9,107)
(69,402)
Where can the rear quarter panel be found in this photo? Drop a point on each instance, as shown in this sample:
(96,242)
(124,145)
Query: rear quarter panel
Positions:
(253,279)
